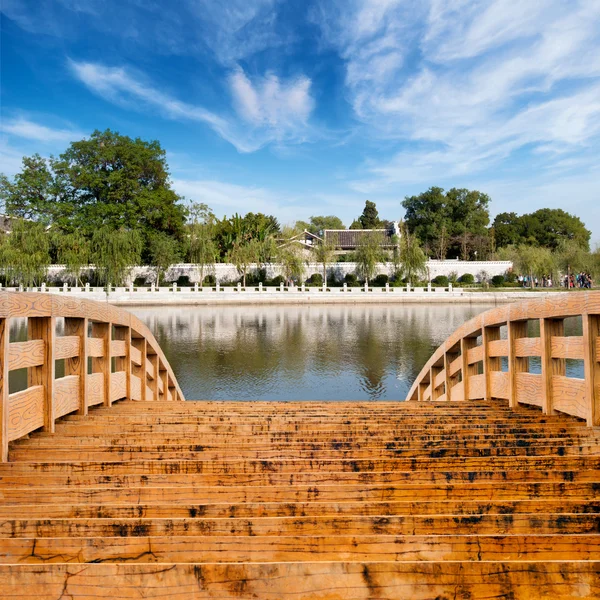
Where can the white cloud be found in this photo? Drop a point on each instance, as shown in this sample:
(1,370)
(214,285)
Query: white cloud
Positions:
(278,111)
(24,128)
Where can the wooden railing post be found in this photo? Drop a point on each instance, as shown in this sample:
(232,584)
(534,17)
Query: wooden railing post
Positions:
(102,364)
(435,393)
(153,360)
(591,365)
(516,330)
(449,357)
(550,366)
(4,339)
(123,363)
(467,370)
(489,334)
(44,328)
(78,365)
(164,377)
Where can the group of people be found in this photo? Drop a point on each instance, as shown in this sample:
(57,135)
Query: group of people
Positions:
(528,282)
(579,280)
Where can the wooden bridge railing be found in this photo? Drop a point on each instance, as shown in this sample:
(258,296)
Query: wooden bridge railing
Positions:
(489,358)
(108,355)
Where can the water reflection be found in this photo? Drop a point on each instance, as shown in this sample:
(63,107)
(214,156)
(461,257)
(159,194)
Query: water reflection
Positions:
(306,352)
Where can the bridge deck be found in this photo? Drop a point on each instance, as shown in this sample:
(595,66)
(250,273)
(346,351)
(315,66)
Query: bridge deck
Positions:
(303,500)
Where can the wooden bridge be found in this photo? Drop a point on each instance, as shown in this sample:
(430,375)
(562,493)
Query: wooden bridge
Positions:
(112,488)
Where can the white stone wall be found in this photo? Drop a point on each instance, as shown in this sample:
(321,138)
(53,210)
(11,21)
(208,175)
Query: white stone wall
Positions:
(227,272)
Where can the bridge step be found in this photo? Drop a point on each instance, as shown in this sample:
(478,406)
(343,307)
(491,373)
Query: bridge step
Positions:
(303,500)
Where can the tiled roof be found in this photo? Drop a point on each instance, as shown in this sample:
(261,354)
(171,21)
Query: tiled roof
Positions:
(349,238)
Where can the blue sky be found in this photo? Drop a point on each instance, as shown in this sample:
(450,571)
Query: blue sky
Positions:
(301,108)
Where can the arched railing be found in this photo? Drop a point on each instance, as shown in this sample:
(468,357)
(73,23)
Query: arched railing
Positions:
(108,355)
(489,358)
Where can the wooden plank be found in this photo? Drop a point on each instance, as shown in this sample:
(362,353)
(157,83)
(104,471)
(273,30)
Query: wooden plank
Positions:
(118,348)
(136,388)
(498,348)
(44,328)
(529,389)
(476,387)
(517,330)
(25,411)
(136,356)
(491,364)
(475,354)
(149,397)
(4,398)
(77,364)
(95,388)
(66,395)
(150,369)
(68,346)
(458,392)
(569,396)
(591,365)
(96,346)
(549,329)
(118,386)
(103,364)
(499,385)
(455,366)
(567,347)
(440,377)
(26,354)
(467,370)
(140,370)
(526,346)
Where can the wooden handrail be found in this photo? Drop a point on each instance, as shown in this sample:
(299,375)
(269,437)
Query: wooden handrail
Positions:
(468,365)
(126,362)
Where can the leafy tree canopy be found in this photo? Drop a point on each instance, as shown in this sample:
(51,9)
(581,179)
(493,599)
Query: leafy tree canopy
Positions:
(318,225)
(370,217)
(547,227)
(240,230)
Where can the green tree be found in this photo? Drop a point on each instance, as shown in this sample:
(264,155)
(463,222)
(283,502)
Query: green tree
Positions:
(202,248)
(163,251)
(368,253)
(534,261)
(243,254)
(25,253)
(324,254)
(240,230)
(290,255)
(32,193)
(114,253)
(317,225)
(73,250)
(507,229)
(412,261)
(356,224)
(111,180)
(370,217)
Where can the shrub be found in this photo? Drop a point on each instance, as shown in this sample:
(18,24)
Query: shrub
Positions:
(510,277)
(184,281)
(498,280)
(277,281)
(440,281)
(453,278)
(210,281)
(380,280)
(316,279)
(351,280)
(467,278)
(139,282)
(256,277)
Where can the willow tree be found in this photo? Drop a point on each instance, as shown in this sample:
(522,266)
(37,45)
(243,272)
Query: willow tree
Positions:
(115,252)
(73,251)
(324,254)
(368,253)
(242,255)
(534,262)
(25,254)
(290,255)
(411,261)
(163,251)
(202,247)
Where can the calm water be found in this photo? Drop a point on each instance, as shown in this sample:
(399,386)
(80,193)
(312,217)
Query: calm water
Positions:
(301,352)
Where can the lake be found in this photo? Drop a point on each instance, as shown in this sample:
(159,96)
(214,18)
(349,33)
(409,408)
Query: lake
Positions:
(319,352)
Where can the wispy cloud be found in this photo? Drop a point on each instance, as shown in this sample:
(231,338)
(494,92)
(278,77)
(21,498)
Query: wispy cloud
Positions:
(277,111)
(24,128)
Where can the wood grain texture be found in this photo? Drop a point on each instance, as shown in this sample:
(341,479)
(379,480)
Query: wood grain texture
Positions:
(96,347)
(25,412)
(118,386)
(136,388)
(475,354)
(476,387)
(526,346)
(66,395)
(95,388)
(500,384)
(569,396)
(567,347)
(118,348)
(4,391)
(26,354)
(77,364)
(498,348)
(529,389)
(68,346)
(136,356)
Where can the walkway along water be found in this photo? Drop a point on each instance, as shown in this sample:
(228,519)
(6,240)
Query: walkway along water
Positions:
(447,499)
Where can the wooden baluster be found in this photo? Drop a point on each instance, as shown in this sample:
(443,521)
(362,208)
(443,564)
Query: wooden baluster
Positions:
(435,392)
(591,333)
(490,364)
(516,330)
(153,360)
(123,363)
(449,357)
(421,390)
(467,370)
(102,364)
(140,371)
(550,366)
(78,365)
(44,328)
(164,376)
(4,391)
